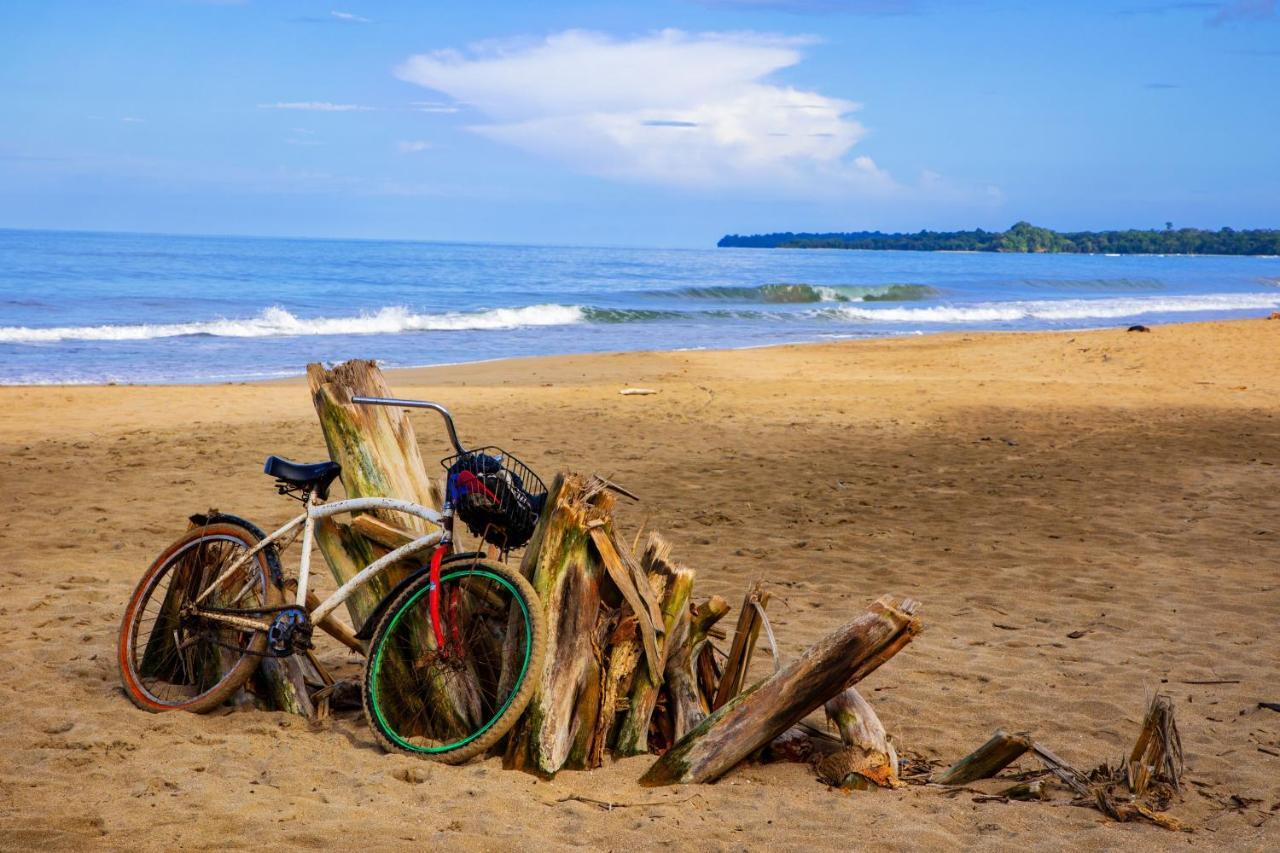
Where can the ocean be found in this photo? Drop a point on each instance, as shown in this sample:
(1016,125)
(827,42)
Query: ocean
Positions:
(131,308)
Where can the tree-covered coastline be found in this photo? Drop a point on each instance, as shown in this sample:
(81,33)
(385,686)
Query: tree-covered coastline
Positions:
(1025,237)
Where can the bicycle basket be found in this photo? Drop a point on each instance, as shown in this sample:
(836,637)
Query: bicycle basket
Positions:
(495,494)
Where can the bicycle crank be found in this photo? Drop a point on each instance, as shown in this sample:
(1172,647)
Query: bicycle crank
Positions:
(290,631)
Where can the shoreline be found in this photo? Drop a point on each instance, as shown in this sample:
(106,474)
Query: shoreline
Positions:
(1079,366)
(808,342)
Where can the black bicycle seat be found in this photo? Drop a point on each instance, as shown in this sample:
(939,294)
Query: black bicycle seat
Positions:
(311,477)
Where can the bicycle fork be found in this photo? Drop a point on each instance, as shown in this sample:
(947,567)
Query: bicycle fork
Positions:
(437,557)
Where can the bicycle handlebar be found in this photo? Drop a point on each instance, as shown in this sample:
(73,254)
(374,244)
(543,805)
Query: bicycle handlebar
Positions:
(417,404)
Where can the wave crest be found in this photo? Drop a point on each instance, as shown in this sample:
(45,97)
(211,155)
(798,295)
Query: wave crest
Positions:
(277,322)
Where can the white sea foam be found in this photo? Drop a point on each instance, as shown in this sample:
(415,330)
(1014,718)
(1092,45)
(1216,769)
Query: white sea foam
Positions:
(1061,309)
(277,322)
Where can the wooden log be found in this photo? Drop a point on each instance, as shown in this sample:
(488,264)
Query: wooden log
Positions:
(1157,755)
(378,452)
(389,536)
(756,716)
(334,628)
(633,734)
(566,572)
(1001,750)
(347,552)
(687,705)
(868,756)
(743,645)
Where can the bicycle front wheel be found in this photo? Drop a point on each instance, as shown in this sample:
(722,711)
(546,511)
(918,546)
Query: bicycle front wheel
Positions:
(453,700)
(172,659)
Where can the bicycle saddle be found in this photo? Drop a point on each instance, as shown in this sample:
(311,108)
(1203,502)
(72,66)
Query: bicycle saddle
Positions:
(314,476)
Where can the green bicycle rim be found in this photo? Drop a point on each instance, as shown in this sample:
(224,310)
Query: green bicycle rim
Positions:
(515,687)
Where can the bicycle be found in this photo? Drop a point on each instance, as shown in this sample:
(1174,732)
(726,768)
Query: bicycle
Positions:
(452,648)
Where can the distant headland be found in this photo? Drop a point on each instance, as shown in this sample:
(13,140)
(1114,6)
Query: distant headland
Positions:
(1025,237)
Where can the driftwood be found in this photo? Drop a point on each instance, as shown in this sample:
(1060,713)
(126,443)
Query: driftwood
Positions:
(1139,788)
(625,648)
(688,705)
(758,715)
(376,447)
(1142,787)
(743,645)
(609,617)
(1157,755)
(566,572)
(1073,778)
(633,735)
(987,760)
(868,758)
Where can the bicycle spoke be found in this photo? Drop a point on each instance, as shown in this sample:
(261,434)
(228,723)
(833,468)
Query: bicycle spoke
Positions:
(179,655)
(436,698)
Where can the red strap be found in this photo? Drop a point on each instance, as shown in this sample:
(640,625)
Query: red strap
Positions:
(433,598)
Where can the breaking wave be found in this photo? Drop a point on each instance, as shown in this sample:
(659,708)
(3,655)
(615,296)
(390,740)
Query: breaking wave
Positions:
(277,322)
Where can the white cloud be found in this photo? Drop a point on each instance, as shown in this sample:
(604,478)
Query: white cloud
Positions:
(412,147)
(435,107)
(670,107)
(350,18)
(318,106)
(132,120)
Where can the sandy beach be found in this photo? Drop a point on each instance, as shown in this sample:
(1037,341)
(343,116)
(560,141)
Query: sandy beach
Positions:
(1088,518)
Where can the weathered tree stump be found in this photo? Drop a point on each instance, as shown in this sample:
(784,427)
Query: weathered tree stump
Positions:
(378,452)
(566,572)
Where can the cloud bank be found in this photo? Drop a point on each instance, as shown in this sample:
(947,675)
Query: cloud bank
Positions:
(692,110)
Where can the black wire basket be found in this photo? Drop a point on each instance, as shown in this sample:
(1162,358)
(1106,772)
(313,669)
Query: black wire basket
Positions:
(495,494)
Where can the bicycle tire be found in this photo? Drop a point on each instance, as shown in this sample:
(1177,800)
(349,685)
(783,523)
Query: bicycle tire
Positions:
(192,547)
(505,706)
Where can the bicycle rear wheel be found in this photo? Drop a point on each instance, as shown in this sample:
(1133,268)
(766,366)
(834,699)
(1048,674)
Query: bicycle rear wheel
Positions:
(171,660)
(452,702)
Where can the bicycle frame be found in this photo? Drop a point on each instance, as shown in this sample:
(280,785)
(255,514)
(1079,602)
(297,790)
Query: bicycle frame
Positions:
(315,511)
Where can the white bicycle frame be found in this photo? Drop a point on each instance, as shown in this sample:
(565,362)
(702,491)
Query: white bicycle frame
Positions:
(317,509)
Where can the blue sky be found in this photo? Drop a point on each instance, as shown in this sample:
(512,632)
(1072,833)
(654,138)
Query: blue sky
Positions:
(656,123)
